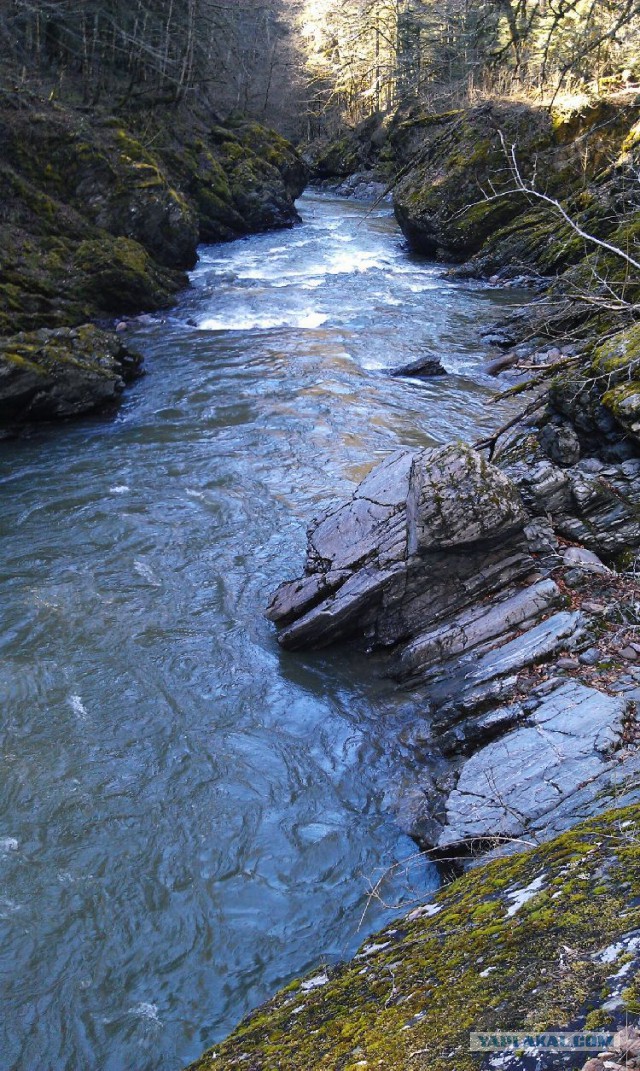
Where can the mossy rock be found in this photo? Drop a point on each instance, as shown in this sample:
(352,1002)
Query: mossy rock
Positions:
(616,371)
(56,282)
(116,275)
(601,394)
(106,174)
(353,149)
(46,375)
(94,221)
(440,203)
(459,158)
(529,941)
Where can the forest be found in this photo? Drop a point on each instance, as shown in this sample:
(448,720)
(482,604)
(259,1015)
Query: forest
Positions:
(306,65)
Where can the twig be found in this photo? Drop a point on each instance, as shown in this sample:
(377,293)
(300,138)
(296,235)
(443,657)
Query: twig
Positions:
(492,441)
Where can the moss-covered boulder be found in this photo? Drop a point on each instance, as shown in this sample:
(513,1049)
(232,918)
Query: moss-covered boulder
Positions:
(97,220)
(440,203)
(353,149)
(458,196)
(616,369)
(49,374)
(99,168)
(240,181)
(601,396)
(542,940)
(59,280)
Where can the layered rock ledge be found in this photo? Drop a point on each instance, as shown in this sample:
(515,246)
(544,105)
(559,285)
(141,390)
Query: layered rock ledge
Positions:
(460,576)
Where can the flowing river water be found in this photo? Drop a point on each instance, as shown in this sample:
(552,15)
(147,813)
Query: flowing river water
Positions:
(188,816)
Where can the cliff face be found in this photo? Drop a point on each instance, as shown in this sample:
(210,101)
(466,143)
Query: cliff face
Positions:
(97,220)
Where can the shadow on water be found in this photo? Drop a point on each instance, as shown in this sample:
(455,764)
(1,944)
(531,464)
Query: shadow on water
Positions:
(188,816)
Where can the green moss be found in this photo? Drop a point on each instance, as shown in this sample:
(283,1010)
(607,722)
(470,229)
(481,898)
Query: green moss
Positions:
(595,1020)
(473,965)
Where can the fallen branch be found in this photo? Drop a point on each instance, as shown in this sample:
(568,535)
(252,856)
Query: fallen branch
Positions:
(492,441)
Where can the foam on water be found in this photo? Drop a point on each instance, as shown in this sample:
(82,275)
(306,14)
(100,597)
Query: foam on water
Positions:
(305,321)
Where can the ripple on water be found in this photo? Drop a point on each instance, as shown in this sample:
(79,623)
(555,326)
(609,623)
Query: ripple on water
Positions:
(189,816)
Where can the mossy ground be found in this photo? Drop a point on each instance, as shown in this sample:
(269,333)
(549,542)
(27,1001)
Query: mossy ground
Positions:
(485,959)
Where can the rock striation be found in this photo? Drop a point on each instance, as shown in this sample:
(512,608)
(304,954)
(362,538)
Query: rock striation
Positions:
(422,536)
(459,574)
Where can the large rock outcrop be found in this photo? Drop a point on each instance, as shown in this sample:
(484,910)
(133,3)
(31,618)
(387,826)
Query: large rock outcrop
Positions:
(459,573)
(97,220)
(454,164)
(49,374)
(422,536)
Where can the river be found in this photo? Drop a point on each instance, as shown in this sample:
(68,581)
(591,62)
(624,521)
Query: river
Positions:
(188,816)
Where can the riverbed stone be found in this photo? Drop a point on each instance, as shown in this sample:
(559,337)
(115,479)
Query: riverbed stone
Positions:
(423,368)
(512,787)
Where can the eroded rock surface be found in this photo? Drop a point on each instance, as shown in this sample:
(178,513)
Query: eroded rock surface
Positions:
(460,573)
(422,535)
(45,375)
(511,788)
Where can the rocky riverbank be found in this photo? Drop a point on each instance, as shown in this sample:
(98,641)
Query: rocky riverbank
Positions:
(500,590)
(102,219)
(503,597)
(542,941)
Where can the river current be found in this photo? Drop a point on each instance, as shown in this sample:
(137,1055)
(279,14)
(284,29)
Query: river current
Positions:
(190,817)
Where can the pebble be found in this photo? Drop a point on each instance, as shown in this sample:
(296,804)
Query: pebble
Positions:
(574,578)
(591,657)
(629,654)
(593,607)
(567,663)
(122,326)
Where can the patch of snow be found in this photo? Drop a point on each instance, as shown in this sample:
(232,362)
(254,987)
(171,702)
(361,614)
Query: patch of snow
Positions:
(520,897)
(613,952)
(315,983)
(427,911)
(369,950)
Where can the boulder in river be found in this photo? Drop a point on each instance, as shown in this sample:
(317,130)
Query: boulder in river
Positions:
(62,373)
(423,368)
(423,535)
